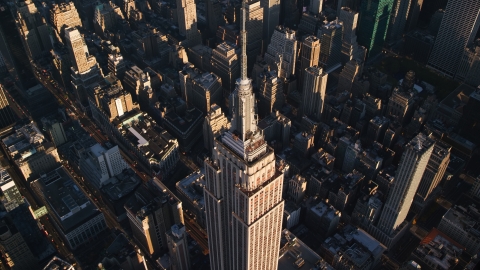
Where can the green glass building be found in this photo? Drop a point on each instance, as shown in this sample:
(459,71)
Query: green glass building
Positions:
(373,24)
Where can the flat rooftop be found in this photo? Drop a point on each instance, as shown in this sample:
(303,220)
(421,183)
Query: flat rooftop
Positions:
(292,249)
(121,184)
(70,205)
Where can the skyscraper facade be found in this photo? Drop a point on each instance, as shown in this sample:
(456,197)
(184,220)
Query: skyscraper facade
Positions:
(63,16)
(243,194)
(271,18)
(459,26)
(350,48)
(7,116)
(313,94)
(85,70)
(398,20)
(254,27)
(310,53)
(187,22)
(407,179)
(374,20)
(283,45)
(330,35)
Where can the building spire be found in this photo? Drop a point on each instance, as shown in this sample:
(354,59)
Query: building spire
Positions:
(243,32)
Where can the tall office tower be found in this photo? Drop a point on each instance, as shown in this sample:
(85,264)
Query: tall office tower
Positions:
(200,89)
(152,211)
(374,20)
(33,29)
(283,45)
(469,67)
(271,18)
(215,124)
(13,247)
(187,22)
(316,6)
(128,5)
(350,48)
(457,31)
(407,178)
(436,167)
(85,69)
(398,20)
(254,27)
(106,17)
(400,105)
(135,80)
(7,116)
(3,65)
(310,53)
(86,11)
(271,96)
(313,95)
(349,72)
(330,36)
(289,15)
(435,22)
(470,121)
(214,15)
(178,247)
(243,193)
(413,14)
(226,65)
(116,65)
(63,16)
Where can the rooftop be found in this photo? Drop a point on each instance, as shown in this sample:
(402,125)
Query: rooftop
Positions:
(325,209)
(294,254)
(192,187)
(70,205)
(467,218)
(121,185)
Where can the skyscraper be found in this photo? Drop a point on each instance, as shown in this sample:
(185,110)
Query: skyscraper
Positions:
(271,18)
(330,36)
(374,19)
(459,26)
(436,167)
(243,194)
(398,20)
(187,22)
(285,45)
(225,64)
(178,247)
(350,48)
(313,94)
(7,116)
(407,179)
(254,27)
(213,9)
(63,16)
(310,53)
(85,69)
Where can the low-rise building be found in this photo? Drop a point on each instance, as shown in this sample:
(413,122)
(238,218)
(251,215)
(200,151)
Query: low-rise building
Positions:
(322,218)
(352,248)
(74,215)
(462,224)
(30,151)
(152,211)
(295,254)
(118,190)
(190,192)
(437,251)
(99,165)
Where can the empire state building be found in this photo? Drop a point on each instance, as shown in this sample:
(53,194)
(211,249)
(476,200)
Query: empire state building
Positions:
(243,194)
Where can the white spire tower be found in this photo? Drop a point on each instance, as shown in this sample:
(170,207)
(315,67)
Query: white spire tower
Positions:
(243,193)
(242,101)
